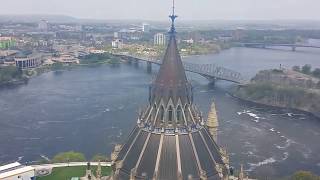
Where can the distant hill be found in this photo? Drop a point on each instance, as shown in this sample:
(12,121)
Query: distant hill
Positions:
(35,18)
(38,17)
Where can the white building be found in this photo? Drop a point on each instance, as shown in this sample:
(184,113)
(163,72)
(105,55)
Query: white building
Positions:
(159,39)
(43,25)
(28,62)
(66,58)
(117,43)
(16,171)
(189,41)
(145,27)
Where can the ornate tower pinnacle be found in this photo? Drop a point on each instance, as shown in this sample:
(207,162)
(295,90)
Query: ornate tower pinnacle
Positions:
(170,140)
(173,18)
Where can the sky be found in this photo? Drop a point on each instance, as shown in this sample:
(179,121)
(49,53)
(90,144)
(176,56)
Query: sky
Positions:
(159,9)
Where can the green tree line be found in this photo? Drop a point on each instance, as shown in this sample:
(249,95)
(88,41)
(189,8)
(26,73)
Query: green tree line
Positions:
(307,69)
(72,156)
(9,73)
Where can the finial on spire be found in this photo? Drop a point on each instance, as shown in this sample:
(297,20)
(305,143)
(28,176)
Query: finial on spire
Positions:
(173,17)
(173,7)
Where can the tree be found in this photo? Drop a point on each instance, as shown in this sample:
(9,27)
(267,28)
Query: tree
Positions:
(10,72)
(306,69)
(316,73)
(296,68)
(304,175)
(57,66)
(70,156)
(99,157)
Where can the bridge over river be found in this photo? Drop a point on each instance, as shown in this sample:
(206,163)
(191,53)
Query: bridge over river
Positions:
(210,71)
(266,45)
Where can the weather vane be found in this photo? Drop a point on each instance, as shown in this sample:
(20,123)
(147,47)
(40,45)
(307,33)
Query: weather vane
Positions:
(173,17)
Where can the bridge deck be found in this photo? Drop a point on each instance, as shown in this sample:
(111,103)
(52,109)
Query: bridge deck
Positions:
(210,71)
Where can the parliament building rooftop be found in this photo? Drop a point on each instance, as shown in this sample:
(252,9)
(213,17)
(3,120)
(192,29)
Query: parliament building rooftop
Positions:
(170,140)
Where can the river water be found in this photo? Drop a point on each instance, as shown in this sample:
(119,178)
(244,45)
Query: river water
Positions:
(89,109)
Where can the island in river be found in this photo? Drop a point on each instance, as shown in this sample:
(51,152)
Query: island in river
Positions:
(283,88)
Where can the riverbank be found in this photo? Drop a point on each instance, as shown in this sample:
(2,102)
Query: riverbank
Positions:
(282,88)
(269,106)
(10,76)
(56,109)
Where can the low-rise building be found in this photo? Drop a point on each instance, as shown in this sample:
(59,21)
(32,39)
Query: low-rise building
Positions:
(6,42)
(17,171)
(66,58)
(28,62)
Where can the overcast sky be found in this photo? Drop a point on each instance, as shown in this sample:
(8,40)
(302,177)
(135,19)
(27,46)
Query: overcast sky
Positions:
(158,9)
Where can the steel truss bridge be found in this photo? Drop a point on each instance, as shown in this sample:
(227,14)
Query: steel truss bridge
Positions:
(266,45)
(210,71)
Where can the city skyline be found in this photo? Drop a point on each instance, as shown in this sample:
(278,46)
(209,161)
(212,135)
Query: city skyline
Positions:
(190,10)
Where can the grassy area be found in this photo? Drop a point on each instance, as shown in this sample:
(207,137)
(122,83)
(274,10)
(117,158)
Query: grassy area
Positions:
(66,173)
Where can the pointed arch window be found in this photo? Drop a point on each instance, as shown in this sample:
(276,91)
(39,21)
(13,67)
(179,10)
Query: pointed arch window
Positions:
(170,114)
(186,112)
(161,113)
(155,108)
(179,114)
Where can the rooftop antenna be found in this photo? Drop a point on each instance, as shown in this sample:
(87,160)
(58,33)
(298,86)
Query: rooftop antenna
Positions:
(173,17)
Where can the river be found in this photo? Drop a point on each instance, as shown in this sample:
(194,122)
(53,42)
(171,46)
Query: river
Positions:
(89,109)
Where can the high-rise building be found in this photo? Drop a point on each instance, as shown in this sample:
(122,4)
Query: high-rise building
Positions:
(43,25)
(159,39)
(115,35)
(170,140)
(145,27)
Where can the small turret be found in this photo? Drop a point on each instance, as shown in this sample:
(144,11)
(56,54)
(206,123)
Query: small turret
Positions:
(241,174)
(98,172)
(212,122)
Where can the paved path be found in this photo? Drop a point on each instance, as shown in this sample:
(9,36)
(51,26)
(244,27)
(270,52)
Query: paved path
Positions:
(46,169)
(44,166)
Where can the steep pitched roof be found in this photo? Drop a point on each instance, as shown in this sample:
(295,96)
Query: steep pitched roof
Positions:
(171,73)
(167,146)
(171,81)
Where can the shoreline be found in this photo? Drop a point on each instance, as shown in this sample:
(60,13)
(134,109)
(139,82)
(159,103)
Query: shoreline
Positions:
(256,103)
(14,83)
(45,69)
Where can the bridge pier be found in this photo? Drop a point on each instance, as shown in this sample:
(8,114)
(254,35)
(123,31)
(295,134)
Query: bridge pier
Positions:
(129,60)
(136,62)
(149,67)
(212,80)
